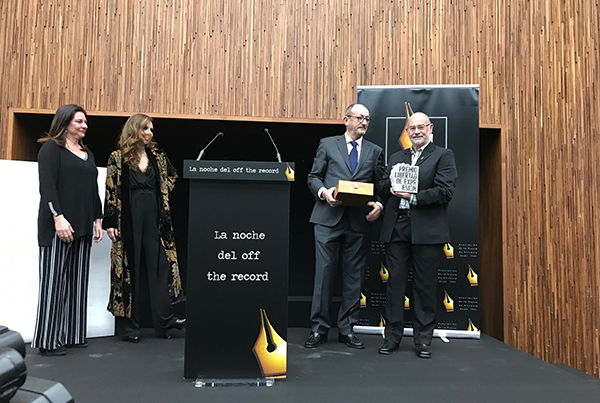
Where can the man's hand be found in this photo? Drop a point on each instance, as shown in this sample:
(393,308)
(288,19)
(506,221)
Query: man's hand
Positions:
(328,196)
(402,195)
(375,213)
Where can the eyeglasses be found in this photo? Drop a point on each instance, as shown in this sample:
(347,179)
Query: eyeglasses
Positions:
(412,129)
(360,118)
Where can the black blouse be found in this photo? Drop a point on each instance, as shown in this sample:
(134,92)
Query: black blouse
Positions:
(68,185)
(146,180)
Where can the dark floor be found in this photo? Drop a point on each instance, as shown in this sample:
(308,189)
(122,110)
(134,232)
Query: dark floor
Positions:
(463,370)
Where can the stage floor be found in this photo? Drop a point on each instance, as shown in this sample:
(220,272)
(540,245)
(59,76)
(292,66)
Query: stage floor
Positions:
(463,370)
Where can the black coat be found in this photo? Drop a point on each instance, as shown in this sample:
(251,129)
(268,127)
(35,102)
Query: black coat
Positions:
(437,178)
(117,214)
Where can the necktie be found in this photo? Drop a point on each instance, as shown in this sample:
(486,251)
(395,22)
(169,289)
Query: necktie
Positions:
(353,156)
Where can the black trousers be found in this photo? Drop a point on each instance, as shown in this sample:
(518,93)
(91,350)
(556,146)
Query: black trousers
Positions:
(338,247)
(147,247)
(424,259)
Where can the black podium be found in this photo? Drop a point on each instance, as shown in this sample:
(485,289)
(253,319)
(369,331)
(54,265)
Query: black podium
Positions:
(238,249)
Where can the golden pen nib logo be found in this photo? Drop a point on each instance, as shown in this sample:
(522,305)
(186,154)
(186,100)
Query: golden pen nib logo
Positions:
(448,302)
(471,327)
(381,321)
(406,303)
(363,300)
(384,273)
(449,251)
(270,349)
(289,173)
(472,276)
(404,140)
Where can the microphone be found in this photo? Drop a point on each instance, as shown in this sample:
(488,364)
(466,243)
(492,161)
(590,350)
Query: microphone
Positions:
(204,149)
(278,155)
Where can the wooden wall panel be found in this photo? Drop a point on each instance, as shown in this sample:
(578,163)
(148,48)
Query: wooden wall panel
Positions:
(536,63)
(552,284)
(491,274)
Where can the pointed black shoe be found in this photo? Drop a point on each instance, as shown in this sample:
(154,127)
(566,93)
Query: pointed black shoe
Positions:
(131,339)
(351,340)
(164,335)
(57,352)
(423,351)
(179,324)
(315,340)
(388,347)
(80,345)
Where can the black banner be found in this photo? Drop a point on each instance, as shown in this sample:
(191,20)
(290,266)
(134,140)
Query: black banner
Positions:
(454,112)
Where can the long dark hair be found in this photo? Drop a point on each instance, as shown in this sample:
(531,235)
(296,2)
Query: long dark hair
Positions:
(58,128)
(130,138)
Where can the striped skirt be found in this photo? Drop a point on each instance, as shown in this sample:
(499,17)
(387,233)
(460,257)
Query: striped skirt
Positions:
(62,302)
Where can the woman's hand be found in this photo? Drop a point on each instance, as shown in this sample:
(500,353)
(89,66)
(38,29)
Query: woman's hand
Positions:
(63,228)
(98,233)
(112,233)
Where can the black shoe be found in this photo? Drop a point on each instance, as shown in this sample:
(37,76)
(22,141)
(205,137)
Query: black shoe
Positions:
(163,335)
(58,351)
(132,339)
(350,340)
(423,351)
(81,345)
(315,340)
(388,347)
(179,324)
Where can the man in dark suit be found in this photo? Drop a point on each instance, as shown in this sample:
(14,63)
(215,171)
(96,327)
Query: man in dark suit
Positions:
(340,230)
(415,229)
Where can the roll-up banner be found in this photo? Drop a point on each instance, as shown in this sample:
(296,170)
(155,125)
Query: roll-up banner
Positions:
(454,112)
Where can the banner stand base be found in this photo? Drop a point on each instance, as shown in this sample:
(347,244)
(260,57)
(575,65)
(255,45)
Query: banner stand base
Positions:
(408,332)
(215,382)
(369,330)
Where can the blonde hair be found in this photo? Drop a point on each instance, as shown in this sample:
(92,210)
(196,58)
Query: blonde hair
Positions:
(130,139)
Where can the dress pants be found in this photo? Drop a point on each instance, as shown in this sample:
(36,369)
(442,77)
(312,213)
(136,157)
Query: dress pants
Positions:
(338,246)
(62,303)
(425,259)
(147,247)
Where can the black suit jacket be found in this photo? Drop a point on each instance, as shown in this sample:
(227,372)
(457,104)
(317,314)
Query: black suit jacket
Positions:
(332,164)
(437,178)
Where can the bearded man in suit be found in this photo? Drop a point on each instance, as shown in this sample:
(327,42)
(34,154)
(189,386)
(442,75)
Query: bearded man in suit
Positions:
(340,231)
(415,229)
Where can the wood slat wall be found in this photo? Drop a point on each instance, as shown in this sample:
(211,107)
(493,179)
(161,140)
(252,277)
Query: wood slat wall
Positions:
(537,64)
